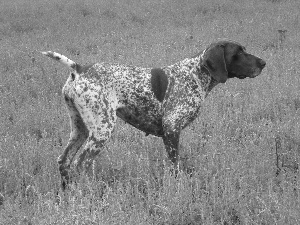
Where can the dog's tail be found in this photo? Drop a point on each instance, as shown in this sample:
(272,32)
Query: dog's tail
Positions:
(63,59)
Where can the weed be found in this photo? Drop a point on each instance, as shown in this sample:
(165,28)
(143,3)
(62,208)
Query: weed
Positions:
(242,152)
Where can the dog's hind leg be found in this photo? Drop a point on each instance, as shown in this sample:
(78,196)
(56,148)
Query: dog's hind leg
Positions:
(86,159)
(100,124)
(78,136)
(93,147)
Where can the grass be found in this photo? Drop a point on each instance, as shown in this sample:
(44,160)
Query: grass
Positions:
(244,146)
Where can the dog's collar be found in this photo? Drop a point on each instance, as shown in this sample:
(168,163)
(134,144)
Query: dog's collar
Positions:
(202,66)
(204,69)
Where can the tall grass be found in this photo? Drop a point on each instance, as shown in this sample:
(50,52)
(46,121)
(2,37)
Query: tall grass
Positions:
(243,148)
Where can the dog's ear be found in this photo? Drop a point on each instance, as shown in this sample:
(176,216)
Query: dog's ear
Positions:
(214,61)
(159,83)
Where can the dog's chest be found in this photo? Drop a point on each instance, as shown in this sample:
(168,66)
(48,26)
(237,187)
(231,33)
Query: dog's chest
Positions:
(188,86)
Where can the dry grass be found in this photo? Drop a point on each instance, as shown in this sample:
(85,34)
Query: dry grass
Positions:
(244,147)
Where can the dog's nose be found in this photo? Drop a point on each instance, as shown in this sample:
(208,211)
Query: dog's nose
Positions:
(261,63)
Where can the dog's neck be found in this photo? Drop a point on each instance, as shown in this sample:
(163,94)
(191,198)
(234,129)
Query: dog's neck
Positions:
(205,72)
(193,68)
(201,73)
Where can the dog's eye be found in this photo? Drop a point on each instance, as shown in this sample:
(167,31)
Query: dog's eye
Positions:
(237,55)
(241,51)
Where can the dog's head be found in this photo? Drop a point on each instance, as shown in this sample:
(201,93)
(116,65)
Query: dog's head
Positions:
(228,59)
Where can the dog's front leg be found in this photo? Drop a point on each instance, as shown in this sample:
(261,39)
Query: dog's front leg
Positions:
(172,128)
(171,141)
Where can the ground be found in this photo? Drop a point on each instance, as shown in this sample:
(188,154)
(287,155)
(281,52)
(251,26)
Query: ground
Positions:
(244,147)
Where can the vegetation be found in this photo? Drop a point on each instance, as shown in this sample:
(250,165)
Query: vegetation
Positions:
(244,148)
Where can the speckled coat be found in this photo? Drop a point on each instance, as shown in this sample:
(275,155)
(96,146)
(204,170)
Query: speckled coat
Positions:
(105,91)
(159,101)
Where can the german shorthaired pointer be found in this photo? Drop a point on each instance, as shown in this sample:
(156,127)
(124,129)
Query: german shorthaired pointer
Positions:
(159,101)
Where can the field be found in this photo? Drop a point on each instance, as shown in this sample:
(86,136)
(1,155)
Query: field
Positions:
(244,147)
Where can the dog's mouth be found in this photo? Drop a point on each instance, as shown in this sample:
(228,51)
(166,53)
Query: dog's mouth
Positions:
(237,75)
(254,73)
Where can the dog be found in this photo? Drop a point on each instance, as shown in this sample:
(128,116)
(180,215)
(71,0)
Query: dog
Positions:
(157,101)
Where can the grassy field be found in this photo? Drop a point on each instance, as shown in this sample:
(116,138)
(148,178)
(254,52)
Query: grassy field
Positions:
(245,145)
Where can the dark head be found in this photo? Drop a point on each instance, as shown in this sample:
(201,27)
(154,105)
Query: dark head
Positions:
(228,59)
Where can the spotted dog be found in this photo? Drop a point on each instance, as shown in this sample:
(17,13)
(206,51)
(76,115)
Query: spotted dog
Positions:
(159,101)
